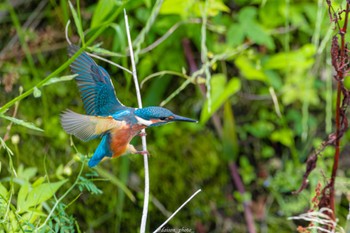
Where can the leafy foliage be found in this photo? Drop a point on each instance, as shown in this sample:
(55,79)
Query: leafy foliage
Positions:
(265,108)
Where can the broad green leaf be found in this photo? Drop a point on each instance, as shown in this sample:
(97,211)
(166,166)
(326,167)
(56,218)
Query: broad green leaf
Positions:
(220,92)
(40,193)
(249,70)
(260,129)
(77,22)
(21,122)
(257,34)
(193,8)
(235,35)
(26,174)
(247,15)
(3,191)
(283,136)
(253,29)
(214,8)
(299,59)
(103,9)
(178,7)
(21,198)
(39,181)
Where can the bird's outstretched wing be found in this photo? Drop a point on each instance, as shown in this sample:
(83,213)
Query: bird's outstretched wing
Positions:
(95,85)
(87,127)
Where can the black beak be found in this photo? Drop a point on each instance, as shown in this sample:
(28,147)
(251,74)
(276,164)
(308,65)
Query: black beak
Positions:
(181,118)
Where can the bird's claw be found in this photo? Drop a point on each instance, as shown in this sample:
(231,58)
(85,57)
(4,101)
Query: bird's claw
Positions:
(143,152)
(141,134)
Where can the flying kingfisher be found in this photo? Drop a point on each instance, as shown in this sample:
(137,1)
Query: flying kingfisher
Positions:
(106,117)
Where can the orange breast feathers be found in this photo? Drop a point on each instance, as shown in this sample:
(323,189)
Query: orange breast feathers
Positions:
(121,137)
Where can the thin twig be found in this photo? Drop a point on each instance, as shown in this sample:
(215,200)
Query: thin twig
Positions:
(144,143)
(8,129)
(178,209)
(94,55)
(275,101)
(167,34)
(240,187)
(110,62)
(141,37)
(204,54)
(66,33)
(63,196)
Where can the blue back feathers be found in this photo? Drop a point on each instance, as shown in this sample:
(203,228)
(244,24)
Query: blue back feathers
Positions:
(95,85)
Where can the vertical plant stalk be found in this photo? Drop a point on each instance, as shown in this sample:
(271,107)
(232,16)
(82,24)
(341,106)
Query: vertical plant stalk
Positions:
(340,64)
(340,77)
(144,143)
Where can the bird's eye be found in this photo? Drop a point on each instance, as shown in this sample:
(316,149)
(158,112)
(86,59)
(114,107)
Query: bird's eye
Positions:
(162,118)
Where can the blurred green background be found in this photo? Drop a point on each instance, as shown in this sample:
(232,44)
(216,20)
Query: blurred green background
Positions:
(256,74)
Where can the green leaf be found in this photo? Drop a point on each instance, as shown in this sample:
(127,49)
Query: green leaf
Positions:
(39,194)
(3,191)
(249,70)
(235,35)
(300,59)
(39,181)
(77,22)
(260,129)
(220,92)
(61,79)
(103,9)
(88,185)
(26,174)
(36,92)
(229,136)
(178,7)
(193,8)
(22,194)
(257,34)
(22,123)
(283,136)
(247,15)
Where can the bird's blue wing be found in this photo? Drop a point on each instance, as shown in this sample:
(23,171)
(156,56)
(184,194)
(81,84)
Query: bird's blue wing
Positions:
(95,85)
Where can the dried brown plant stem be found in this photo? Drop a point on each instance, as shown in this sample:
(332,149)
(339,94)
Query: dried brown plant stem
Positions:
(340,64)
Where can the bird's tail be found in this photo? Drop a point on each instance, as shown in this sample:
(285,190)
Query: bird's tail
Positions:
(103,150)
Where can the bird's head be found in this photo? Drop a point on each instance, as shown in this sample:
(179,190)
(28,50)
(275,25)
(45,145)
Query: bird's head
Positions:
(154,116)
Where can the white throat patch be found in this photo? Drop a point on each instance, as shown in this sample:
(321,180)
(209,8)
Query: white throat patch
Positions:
(142,121)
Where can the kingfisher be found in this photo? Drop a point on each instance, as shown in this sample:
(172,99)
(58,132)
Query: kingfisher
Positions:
(106,117)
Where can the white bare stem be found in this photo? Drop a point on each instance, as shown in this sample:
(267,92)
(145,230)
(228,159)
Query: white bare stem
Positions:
(144,144)
(67,37)
(188,200)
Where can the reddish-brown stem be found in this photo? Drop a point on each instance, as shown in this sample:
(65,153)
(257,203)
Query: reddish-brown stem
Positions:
(340,76)
(240,187)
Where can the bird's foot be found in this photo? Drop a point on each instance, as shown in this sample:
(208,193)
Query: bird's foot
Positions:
(141,134)
(142,152)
